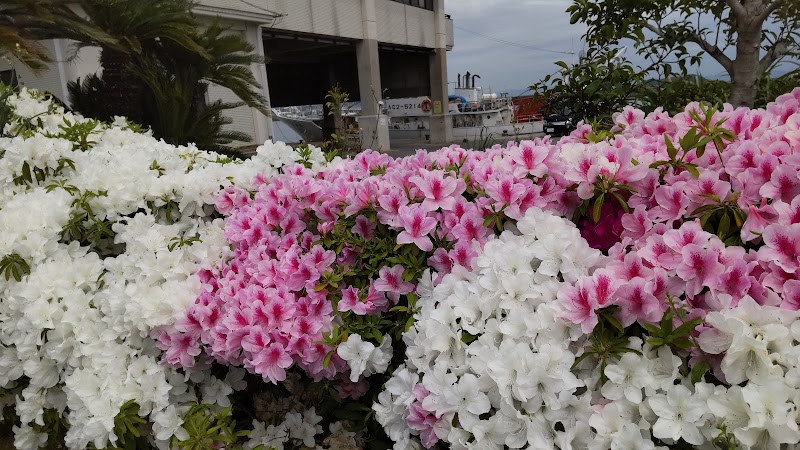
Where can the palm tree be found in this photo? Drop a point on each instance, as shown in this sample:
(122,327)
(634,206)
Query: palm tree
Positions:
(229,65)
(21,24)
(127,31)
(175,115)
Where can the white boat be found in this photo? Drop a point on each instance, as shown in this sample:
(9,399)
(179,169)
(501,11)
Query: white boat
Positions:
(476,116)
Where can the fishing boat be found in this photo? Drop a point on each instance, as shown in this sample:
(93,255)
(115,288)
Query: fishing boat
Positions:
(476,114)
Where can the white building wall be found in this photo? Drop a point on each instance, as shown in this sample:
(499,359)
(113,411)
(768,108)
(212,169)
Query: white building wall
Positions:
(55,76)
(49,79)
(405,25)
(326,17)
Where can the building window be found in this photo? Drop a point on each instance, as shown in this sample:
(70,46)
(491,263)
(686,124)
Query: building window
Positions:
(425,4)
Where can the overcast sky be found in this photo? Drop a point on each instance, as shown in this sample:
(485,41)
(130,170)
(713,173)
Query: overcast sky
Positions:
(535,23)
(529,25)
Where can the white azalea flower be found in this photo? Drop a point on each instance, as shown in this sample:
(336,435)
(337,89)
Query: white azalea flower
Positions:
(627,378)
(679,414)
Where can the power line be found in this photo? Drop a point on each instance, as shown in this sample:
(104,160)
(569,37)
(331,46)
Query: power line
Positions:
(268,11)
(515,44)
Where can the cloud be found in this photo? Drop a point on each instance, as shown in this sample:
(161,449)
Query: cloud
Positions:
(542,24)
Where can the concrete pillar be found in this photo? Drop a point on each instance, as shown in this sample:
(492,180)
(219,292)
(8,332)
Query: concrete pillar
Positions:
(264,128)
(441,121)
(374,127)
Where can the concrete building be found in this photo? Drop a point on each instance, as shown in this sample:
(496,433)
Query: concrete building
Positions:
(373,49)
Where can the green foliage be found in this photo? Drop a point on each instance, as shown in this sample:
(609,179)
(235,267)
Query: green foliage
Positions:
(209,428)
(344,140)
(182,241)
(675,92)
(770,87)
(592,90)
(83,225)
(78,133)
(14,266)
(126,428)
(663,33)
(86,96)
(168,64)
(381,249)
(706,131)
(176,116)
(725,440)
(722,218)
(665,334)
(608,342)
(304,150)
(6,110)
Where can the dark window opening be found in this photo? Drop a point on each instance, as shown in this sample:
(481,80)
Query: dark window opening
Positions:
(425,4)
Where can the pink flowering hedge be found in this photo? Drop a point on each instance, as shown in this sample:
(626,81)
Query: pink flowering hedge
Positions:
(322,255)
(694,212)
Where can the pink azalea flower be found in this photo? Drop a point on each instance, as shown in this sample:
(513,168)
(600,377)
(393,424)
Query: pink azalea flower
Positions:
(463,254)
(758,218)
(783,185)
(391,281)
(637,303)
(439,189)
(505,190)
(470,228)
(271,363)
(636,224)
(231,198)
(440,261)
(791,295)
(736,280)
(180,348)
(364,227)
(788,213)
(699,268)
(672,203)
(688,233)
(390,204)
(782,245)
(577,305)
(528,159)
(417,225)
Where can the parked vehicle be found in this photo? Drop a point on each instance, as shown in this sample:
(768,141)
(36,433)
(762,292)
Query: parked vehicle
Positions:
(558,124)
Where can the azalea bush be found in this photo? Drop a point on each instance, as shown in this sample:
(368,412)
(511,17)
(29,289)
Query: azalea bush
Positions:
(104,230)
(682,336)
(624,288)
(322,284)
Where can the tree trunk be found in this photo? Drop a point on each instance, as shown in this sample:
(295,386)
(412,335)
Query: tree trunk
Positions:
(746,68)
(123,91)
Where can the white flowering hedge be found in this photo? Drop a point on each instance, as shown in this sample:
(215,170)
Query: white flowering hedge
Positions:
(154,296)
(102,231)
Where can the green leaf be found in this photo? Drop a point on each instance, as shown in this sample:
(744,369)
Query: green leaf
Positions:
(724,226)
(580,359)
(658,164)
(705,217)
(327,360)
(666,322)
(653,329)
(698,371)
(598,205)
(671,150)
(703,209)
(615,323)
(692,168)
(622,202)
(687,327)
